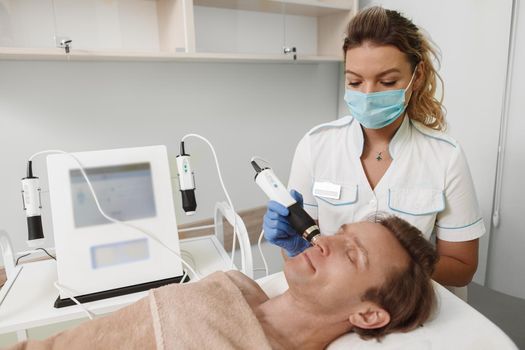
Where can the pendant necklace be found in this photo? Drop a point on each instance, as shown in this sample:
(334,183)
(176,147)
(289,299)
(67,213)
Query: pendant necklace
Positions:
(379,156)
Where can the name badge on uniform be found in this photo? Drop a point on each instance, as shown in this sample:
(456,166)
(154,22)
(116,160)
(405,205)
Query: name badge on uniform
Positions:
(327,190)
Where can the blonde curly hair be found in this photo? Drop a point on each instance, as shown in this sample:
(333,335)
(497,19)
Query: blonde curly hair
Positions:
(387,27)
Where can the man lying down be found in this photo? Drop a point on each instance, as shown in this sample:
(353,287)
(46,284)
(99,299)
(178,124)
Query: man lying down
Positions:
(372,278)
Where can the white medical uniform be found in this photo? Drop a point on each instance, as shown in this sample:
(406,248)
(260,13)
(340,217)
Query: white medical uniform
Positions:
(428,182)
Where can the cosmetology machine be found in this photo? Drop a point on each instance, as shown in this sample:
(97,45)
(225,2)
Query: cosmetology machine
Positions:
(98,258)
(114,223)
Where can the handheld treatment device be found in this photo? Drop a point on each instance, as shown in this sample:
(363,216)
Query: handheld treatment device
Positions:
(275,190)
(186,181)
(32,206)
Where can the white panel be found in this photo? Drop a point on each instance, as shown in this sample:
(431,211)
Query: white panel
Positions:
(139,25)
(77,20)
(108,24)
(473,37)
(229,30)
(301,32)
(17,23)
(507,258)
(99,24)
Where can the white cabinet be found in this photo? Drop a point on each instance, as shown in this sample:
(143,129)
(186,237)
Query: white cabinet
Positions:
(309,30)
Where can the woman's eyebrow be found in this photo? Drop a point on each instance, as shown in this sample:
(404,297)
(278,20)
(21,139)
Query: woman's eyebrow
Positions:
(391,70)
(350,72)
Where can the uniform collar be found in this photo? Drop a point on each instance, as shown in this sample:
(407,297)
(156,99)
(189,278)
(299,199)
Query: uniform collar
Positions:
(396,144)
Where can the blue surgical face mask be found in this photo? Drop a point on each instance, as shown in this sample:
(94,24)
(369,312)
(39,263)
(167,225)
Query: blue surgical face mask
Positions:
(377,109)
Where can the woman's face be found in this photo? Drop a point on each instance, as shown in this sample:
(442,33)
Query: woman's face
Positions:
(334,275)
(372,68)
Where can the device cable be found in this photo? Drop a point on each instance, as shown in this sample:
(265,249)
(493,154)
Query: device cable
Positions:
(27,254)
(235,233)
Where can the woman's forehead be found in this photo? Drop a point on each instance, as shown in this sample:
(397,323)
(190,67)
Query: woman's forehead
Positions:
(375,59)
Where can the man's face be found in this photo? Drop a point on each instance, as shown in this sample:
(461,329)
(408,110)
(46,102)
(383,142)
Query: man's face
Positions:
(335,274)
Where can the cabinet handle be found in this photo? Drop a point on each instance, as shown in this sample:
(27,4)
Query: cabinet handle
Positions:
(64,43)
(293,49)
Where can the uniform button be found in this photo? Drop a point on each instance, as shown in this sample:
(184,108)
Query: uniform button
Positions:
(373,202)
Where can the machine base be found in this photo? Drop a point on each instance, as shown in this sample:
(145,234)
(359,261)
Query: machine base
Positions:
(118,291)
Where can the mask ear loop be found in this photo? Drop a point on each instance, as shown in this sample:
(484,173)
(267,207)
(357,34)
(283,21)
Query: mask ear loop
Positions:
(412,79)
(409,84)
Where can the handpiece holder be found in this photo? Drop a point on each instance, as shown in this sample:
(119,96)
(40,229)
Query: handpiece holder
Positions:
(32,203)
(186,181)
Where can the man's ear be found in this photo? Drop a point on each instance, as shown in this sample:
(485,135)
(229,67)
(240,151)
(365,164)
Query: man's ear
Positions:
(369,316)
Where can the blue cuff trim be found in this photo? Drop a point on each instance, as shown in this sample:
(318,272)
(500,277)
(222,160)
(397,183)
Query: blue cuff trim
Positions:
(460,227)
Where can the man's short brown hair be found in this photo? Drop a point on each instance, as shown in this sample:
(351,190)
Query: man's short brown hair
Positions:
(407,294)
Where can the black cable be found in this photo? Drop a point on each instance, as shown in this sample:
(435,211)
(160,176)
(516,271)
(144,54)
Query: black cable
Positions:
(20,257)
(23,256)
(45,251)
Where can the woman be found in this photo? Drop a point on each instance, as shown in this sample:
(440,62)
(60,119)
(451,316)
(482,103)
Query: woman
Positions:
(390,154)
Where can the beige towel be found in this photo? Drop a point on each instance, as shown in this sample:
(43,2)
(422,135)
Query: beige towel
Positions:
(128,328)
(209,314)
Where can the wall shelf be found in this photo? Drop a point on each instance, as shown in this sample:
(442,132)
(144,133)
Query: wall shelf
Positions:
(178,30)
(313,8)
(55,54)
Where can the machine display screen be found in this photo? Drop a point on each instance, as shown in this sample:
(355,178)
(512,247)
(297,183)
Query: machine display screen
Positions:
(125,192)
(119,253)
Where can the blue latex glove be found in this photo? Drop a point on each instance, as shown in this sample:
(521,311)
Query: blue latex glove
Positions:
(277,229)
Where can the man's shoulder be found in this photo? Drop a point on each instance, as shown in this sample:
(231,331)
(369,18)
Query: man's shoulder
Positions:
(251,291)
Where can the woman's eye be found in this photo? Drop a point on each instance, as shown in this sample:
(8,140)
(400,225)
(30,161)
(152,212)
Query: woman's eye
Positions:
(354,83)
(389,83)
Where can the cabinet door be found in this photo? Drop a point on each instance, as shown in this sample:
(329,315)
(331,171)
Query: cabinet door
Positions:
(271,27)
(315,28)
(120,25)
(93,25)
(26,24)
(239,27)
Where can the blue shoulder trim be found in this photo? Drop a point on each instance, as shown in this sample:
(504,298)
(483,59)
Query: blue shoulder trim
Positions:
(459,227)
(347,120)
(434,134)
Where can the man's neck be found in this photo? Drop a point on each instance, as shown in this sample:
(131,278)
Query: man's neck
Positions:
(289,324)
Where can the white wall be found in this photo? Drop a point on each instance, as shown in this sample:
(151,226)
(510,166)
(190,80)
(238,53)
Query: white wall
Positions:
(506,258)
(244,109)
(473,37)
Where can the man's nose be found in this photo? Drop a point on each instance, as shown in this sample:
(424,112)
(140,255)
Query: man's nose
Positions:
(323,246)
